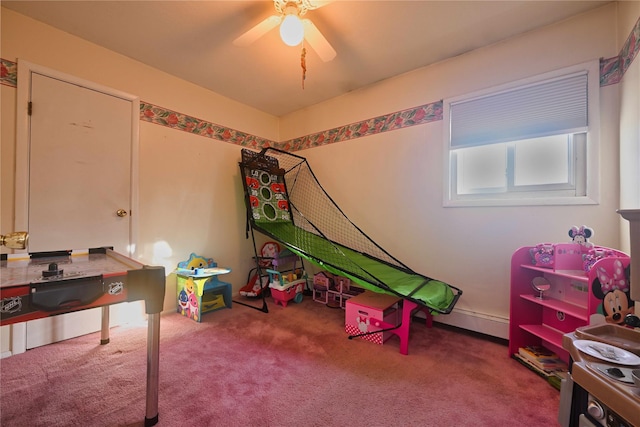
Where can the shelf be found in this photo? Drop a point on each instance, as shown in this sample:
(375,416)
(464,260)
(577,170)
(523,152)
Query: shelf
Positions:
(545,333)
(569,303)
(558,305)
(571,274)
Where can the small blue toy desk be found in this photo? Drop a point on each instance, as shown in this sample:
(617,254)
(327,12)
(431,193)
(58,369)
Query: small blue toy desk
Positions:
(199,290)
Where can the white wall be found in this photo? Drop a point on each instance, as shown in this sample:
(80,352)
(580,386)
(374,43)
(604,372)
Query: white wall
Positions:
(189,191)
(390,184)
(628,13)
(629,113)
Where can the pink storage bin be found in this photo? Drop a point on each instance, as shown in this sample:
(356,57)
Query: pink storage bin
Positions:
(371,312)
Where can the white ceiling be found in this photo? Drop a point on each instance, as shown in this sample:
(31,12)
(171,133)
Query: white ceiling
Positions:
(374,40)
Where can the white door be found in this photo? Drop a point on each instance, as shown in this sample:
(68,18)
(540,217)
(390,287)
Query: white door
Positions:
(81,143)
(79,167)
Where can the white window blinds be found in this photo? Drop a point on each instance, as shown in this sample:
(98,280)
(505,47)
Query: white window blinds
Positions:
(551,107)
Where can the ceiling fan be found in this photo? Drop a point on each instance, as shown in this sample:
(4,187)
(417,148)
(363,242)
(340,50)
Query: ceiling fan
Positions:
(292,28)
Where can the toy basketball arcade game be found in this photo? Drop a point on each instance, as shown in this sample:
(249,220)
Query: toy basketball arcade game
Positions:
(267,201)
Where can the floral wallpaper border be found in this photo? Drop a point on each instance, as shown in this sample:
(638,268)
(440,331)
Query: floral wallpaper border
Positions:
(612,69)
(164,117)
(411,117)
(8,73)
(611,72)
(631,47)
(401,119)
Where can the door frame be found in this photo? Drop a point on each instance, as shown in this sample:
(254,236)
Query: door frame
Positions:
(21,212)
(23,140)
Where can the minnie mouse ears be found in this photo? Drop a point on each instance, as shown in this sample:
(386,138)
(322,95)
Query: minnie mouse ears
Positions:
(582,233)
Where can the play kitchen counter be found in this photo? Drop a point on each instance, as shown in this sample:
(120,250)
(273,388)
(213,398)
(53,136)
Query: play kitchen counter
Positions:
(608,401)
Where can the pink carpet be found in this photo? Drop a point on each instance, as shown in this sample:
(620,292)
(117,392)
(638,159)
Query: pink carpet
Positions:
(291,367)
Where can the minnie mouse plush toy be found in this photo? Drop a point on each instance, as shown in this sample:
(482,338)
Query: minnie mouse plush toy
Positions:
(580,235)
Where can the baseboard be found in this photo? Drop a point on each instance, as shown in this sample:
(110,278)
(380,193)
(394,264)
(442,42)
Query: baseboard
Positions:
(5,354)
(477,322)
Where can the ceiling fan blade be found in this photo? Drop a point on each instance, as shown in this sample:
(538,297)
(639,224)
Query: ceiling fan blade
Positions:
(258,31)
(317,41)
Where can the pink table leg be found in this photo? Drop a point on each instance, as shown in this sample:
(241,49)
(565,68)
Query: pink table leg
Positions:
(408,307)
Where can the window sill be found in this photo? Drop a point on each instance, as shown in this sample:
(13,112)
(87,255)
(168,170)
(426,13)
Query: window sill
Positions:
(549,201)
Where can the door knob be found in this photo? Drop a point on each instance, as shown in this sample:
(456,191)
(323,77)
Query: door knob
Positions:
(121,213)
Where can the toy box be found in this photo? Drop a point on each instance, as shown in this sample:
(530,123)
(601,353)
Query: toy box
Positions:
(198,289)
(369,312)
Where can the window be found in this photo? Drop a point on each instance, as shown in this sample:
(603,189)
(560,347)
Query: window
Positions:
(527,143)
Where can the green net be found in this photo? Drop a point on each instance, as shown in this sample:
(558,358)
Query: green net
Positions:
(310,224)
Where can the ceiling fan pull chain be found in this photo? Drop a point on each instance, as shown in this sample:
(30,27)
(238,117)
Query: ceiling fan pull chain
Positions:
(303,64)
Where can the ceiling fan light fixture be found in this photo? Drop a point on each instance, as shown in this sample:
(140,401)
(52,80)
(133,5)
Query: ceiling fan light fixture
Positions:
(291,30)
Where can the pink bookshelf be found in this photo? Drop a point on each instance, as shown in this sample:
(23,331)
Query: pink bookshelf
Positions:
(565,306)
